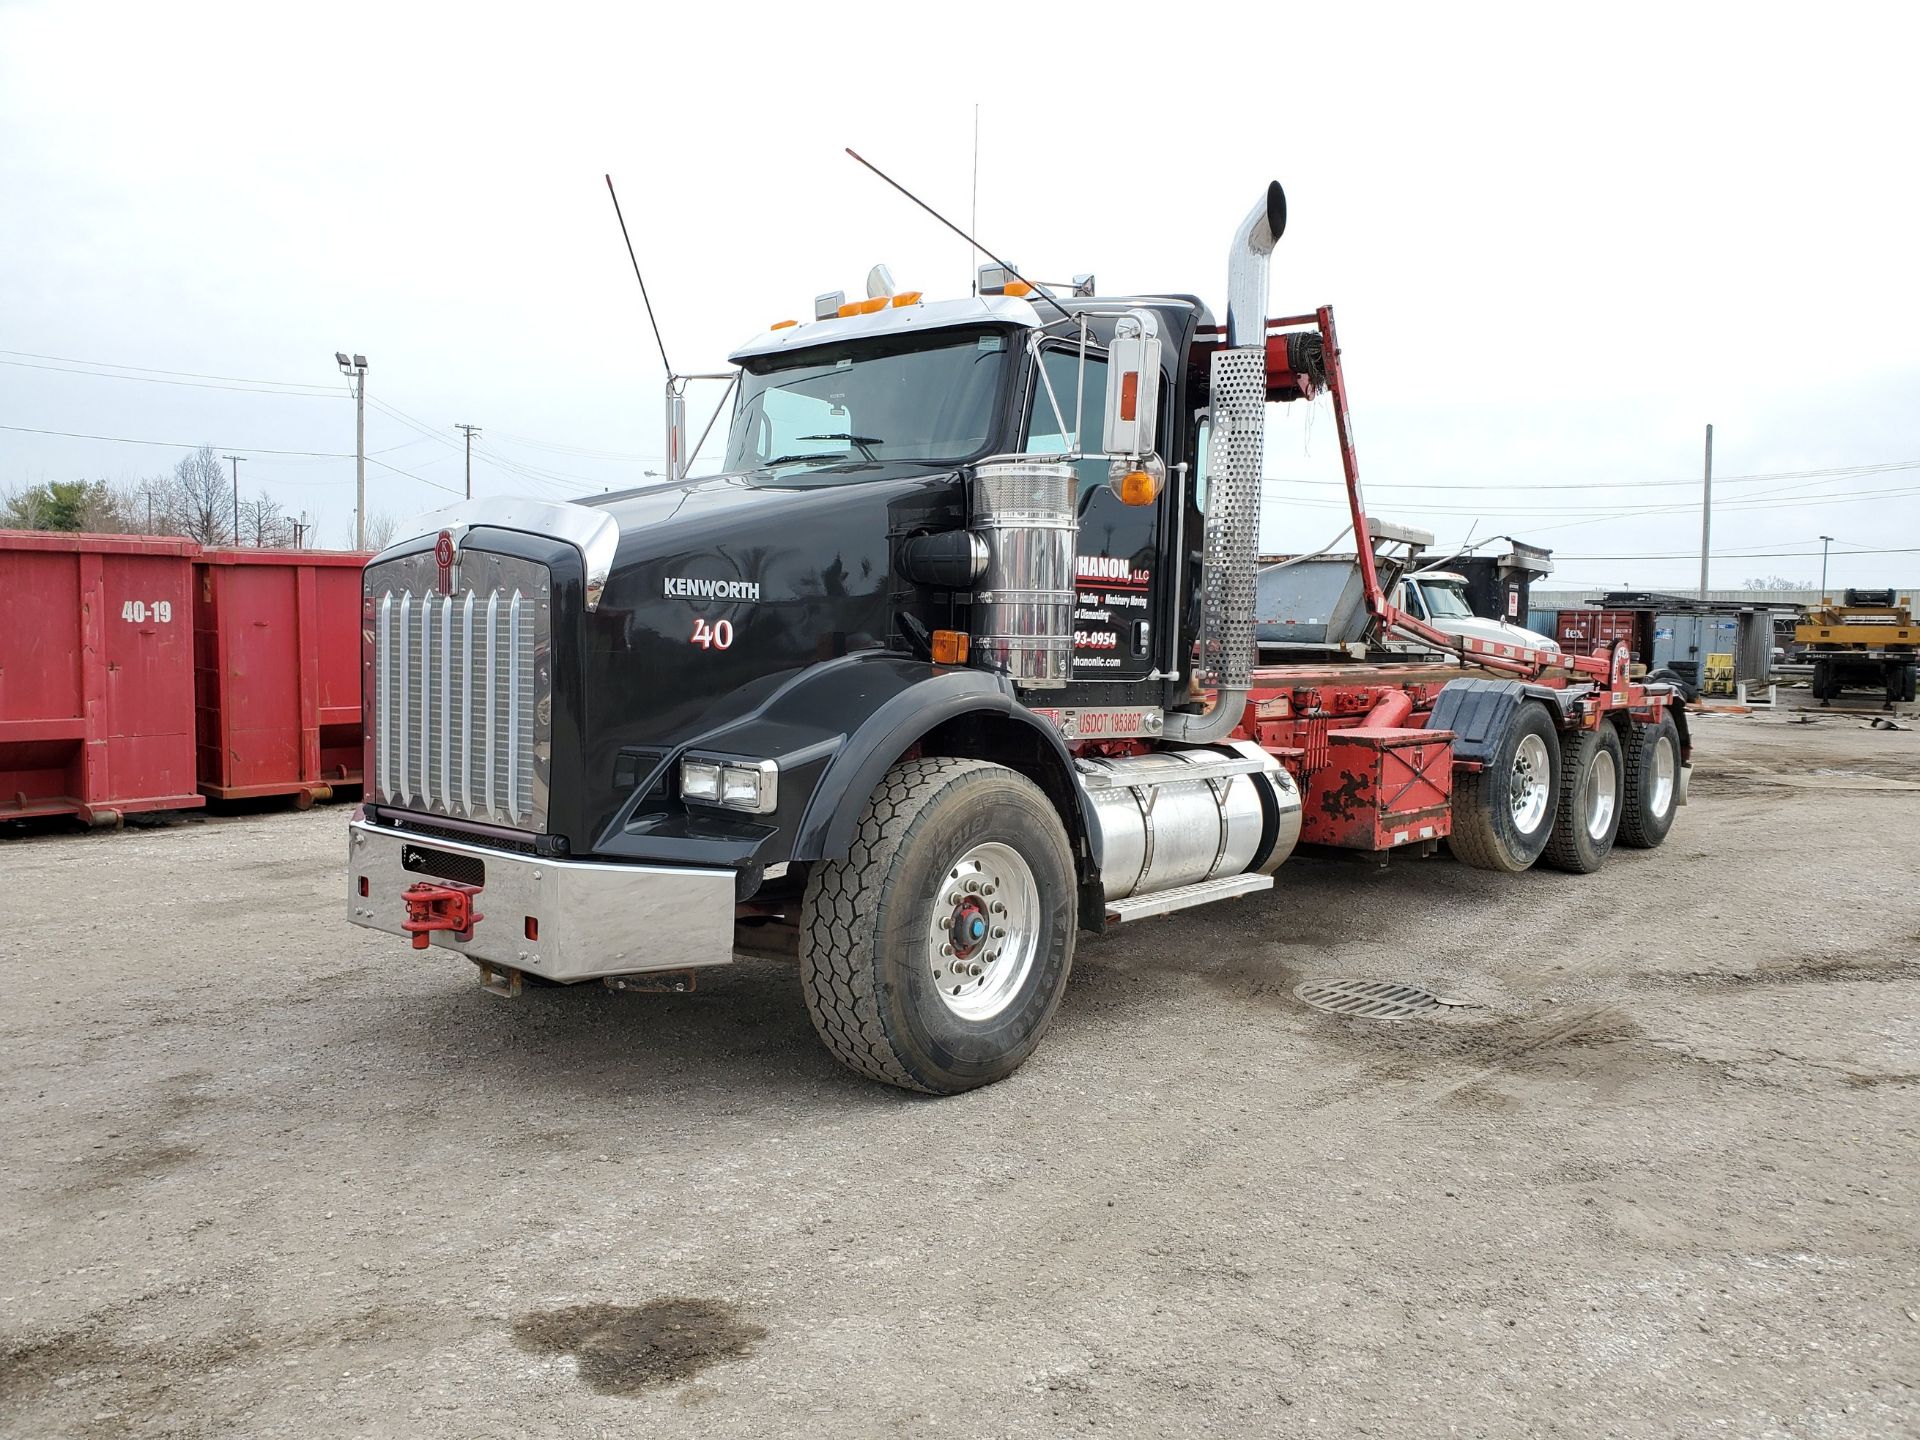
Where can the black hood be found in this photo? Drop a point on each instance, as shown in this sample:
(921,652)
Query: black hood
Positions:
(723,587)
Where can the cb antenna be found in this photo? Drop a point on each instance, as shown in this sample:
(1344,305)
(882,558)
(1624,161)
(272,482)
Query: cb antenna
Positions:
(644,298)
(1040,290)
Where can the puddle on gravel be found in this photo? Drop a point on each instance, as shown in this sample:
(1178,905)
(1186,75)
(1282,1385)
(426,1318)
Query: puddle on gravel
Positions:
(629,1349)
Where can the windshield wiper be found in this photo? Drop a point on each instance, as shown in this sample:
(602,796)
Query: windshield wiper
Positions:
(835,458)
(865,442)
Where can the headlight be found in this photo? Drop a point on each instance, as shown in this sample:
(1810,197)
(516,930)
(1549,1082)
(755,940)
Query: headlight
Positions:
(749,785)
(700,780)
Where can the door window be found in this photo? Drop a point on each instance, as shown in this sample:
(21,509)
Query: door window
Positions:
(1044,436)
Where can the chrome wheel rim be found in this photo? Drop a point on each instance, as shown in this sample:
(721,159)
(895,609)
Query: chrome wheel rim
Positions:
(1660,799)
(1602,794)
(1531,784)
(984,932)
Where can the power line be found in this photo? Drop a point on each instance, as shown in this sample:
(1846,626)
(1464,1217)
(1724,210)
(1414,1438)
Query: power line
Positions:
(583,451)
(187,374)
(177,444)
(1835,472)
(1743,554)
(243,449)
(317,393)
(240,384)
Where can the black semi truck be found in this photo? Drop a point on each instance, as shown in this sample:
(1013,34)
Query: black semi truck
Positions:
(953,660)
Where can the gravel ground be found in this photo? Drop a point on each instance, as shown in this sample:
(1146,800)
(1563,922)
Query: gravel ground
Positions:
(268,1174)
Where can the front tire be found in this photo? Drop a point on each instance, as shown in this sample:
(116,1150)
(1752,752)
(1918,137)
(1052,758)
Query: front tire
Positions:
(1503,814)
(934,956)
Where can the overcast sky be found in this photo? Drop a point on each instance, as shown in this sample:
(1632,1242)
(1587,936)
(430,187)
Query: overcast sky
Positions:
(1560,239)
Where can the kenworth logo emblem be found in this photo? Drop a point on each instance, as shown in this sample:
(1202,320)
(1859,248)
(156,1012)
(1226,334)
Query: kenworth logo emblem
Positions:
(685,587)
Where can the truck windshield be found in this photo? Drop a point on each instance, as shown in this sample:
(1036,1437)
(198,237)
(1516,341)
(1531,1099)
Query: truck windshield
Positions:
(1446,601)
(929,398)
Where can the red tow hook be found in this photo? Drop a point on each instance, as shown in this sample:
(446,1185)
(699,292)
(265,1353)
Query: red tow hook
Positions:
(444,906)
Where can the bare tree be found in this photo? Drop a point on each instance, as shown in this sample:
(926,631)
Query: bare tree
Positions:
(380,528)
(151,505)
(261,523)
(201,506)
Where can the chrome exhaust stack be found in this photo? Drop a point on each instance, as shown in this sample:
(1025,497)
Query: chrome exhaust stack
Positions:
(1235,459)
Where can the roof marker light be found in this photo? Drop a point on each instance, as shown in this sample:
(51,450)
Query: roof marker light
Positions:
(906,297)
(783,324)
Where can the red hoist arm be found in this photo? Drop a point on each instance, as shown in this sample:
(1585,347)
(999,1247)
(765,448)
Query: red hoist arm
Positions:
(1516,659)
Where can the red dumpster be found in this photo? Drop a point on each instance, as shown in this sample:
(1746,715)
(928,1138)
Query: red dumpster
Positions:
(96,675)
(277,647)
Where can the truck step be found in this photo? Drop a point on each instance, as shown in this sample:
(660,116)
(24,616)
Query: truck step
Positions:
(1161,902)
(1095,778)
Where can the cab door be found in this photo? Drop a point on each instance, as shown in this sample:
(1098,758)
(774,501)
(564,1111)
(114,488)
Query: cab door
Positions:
(1116,594)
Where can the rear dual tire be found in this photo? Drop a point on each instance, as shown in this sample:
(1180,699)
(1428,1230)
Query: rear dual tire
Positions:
(1652,790)
(1587,818)
(1503,813)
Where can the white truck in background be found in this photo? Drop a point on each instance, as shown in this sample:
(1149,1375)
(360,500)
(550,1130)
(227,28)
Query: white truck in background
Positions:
(1439,597)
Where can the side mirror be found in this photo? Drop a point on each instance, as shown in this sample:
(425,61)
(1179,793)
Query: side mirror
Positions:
(1133,386)
(1137,475)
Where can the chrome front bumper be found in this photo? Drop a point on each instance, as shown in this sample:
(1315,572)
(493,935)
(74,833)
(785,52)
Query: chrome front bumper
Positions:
(592,919)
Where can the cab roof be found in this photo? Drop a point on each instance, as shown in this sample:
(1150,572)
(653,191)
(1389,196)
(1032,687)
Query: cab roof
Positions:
(950,314)
(894,320)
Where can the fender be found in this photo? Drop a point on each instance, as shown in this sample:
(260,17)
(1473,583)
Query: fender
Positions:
(1477,712)
(899,703)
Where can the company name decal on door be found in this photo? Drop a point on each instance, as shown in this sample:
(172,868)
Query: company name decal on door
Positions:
(1108,592)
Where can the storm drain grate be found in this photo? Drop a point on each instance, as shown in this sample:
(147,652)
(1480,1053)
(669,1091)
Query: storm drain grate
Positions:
(1369,999)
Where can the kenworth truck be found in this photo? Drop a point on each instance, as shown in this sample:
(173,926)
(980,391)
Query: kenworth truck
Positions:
(954,660)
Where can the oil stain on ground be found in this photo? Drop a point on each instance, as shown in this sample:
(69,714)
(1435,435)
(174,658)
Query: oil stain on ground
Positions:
(629,1349)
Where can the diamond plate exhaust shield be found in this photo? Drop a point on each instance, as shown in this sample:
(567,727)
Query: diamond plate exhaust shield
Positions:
(1233,517)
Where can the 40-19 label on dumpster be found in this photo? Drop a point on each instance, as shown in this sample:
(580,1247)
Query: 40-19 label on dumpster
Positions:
(140,612)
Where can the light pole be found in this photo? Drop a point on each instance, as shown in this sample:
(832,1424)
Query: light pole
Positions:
(1825,541)
(236,459)
(472,430)
(1706,512)
(355,370)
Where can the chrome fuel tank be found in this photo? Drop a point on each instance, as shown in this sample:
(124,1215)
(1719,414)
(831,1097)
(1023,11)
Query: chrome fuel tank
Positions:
(1178,817)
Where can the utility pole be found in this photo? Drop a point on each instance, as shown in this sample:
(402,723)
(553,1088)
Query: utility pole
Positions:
(236,459)
(1706,512)
(472,430)
(355,370)
(1825,541)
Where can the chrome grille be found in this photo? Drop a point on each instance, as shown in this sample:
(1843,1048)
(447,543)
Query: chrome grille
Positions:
(459,688)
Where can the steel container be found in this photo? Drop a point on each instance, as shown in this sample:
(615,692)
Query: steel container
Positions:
(96,675)
(277,659)
(1023,603)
